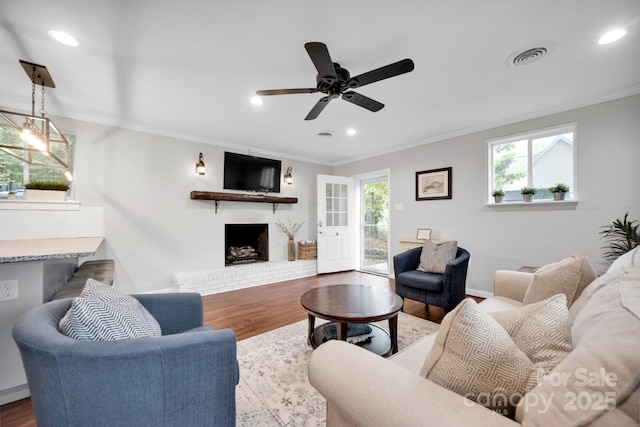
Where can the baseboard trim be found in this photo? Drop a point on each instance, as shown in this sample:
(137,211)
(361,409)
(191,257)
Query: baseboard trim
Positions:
(477,293)
(14,393)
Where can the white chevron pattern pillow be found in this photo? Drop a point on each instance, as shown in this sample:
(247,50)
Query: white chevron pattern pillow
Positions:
(102,313)
(475,357)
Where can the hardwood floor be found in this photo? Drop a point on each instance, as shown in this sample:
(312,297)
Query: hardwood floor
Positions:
(250,312)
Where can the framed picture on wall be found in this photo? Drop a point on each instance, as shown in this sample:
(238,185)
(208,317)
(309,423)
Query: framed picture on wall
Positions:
(434,184)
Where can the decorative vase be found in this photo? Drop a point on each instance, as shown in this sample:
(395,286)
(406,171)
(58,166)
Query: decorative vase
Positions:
(559,195)
(498,199)
(527,197)
(292,250)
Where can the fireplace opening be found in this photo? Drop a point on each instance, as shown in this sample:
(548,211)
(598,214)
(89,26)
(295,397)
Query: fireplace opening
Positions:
(246,243)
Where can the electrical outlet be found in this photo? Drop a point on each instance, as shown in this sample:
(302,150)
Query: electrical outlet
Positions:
(8,290)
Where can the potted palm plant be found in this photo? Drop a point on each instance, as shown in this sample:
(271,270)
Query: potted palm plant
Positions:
(46,190)
(498,196)
(528,193)
(559,191)
(621,236)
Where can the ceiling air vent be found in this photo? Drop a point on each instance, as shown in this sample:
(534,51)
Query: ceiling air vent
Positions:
(529,55)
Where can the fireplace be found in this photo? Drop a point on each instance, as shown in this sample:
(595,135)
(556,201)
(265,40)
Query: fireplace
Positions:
(246,243)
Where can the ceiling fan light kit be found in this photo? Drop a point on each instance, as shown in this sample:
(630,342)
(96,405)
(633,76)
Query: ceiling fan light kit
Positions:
(335,81)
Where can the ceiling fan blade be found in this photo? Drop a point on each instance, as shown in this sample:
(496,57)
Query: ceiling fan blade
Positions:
(317,109)
(285,91)
(382,73)
(319,54)
(362,101)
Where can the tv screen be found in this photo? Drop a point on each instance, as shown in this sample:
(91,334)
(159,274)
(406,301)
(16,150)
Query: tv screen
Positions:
(250,173)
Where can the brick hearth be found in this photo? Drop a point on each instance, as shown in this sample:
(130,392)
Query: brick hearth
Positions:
(229,278)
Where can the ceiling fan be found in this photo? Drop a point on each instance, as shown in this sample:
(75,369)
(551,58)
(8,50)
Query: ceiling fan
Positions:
(333,80)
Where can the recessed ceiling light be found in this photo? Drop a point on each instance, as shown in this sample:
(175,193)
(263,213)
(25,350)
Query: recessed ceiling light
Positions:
(64,38)
(612,36)
(256,100)
(351,131)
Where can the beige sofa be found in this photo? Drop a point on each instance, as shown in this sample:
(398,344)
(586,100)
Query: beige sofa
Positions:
(603,368)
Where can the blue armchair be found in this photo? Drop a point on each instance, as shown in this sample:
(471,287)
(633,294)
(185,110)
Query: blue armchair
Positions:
(186,377)
(442,290)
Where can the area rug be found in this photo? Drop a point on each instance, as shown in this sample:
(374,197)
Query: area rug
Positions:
(274,389)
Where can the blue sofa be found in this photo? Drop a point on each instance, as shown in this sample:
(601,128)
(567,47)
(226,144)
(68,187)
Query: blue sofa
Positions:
(442,290)
(186,377)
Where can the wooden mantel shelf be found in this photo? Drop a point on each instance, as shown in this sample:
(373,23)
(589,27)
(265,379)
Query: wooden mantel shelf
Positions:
(217,197)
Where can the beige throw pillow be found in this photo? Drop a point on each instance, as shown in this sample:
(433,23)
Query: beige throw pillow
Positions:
(541,330)
(435,256)
(475,357)
(569,276)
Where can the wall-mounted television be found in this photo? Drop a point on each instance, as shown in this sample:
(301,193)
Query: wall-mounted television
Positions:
(250,173)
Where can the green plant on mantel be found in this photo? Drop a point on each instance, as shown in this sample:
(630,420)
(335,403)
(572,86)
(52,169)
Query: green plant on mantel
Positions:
(498,193)
(559,188)
(289,229)
(621,235)
(528,190)
(47,185)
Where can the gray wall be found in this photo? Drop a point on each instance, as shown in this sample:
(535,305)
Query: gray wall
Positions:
(608,185)
(151,227)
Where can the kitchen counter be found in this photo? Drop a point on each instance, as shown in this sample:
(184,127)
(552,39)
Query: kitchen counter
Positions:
(48,249)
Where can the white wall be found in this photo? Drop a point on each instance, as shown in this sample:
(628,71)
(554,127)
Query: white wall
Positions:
(608,153)
(151,227)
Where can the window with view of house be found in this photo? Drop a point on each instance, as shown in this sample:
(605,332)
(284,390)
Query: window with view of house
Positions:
(541,159)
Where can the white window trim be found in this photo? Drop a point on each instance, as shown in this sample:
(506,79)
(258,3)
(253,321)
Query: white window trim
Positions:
(541,133)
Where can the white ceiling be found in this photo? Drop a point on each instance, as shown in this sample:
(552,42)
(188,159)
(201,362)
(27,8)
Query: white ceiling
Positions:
(188,68)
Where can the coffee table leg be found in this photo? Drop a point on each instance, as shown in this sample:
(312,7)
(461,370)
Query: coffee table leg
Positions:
(312,323)
(341,330)
(393,328)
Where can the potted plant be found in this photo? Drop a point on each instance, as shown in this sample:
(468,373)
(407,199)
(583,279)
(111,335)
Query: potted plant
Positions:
(11,195)
(527,193)
(46,190)
(559,191)
(621,236)
(498,196)
(290,230)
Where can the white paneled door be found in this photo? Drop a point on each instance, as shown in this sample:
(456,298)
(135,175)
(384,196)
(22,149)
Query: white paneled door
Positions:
(336,224)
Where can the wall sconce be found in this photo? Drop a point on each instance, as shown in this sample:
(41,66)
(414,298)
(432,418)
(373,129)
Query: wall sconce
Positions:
(201,169)
(288,178)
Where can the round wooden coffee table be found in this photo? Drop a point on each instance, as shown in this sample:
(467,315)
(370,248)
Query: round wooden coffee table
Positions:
(345,304)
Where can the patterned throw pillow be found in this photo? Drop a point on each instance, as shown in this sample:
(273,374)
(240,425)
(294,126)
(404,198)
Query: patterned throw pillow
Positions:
(541,330)
(569,276)
(475,357)
(435,256)
(102,313)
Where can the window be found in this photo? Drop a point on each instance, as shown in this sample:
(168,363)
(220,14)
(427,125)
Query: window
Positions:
(14,172)
(541,160)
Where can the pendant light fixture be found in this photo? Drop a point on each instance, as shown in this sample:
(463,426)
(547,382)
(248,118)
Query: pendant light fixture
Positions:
(38,141)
